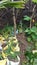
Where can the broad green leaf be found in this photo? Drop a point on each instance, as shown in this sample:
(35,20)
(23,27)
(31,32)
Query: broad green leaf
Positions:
(33,37)
(35,1)
(16,4)
(27,18)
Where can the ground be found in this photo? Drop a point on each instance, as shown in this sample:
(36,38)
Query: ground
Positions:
(23,44)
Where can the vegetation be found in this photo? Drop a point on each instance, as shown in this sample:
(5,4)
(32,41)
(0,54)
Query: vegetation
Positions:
(1,56)
(12,50)
(31,57)
(35,1)
(7,31)
(31,34)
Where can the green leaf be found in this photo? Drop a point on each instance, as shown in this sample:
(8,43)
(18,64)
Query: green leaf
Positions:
(35,62)
(16,4)
(27,30)
(33,37)
(34,29)
(35,1)
(29,39)
(27,18)
(29,55)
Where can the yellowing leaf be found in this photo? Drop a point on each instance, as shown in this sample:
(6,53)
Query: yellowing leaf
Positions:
(3,62)
(5,47)
(3,54)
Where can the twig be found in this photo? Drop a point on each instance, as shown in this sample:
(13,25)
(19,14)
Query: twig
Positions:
(32,15)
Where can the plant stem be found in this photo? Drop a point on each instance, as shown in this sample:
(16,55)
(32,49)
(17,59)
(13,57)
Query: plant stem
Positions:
(14,20)
(32,15)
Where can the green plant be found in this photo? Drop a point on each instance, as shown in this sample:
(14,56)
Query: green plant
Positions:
(21,25)
(12,49)
(8,3)
(35,1)
(31,34)
(7,31)
(36,24)
(27,18)
(14,4)
(30,56)
(1,56)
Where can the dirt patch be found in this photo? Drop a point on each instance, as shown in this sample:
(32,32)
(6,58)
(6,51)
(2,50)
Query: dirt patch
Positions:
(23,44)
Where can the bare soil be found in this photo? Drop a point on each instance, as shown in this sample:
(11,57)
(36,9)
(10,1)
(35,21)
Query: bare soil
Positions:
(23,44)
